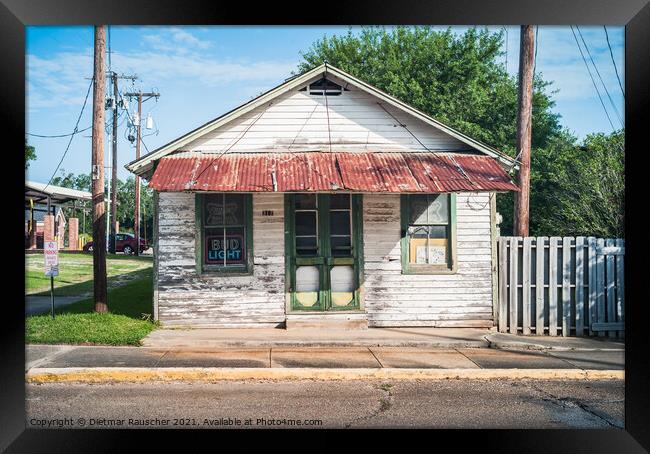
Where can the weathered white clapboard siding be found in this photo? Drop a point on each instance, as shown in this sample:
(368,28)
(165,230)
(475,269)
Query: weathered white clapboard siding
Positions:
(297,120)
(452,300)
(186,298)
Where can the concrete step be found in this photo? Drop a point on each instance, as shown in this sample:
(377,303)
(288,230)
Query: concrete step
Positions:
(337,321)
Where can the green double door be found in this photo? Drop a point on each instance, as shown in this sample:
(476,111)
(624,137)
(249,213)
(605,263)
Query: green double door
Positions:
(323,251)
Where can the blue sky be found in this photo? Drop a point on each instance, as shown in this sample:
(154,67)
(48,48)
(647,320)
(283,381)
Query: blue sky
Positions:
(202,72)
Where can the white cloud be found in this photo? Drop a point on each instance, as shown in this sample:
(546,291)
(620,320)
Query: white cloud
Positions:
(60,79)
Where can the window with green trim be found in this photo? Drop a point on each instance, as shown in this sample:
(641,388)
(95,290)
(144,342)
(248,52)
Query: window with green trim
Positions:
(428,233)
(225,230)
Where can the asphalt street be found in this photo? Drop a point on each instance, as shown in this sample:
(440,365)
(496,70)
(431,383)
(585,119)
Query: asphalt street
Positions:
(329,404)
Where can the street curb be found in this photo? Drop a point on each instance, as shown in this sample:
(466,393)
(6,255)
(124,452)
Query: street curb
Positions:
(530,345)
(144,374)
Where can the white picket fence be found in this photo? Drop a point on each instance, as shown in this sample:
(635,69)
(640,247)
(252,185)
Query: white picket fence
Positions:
(568,286)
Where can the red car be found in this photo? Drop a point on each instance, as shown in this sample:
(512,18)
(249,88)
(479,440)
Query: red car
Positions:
(124,242)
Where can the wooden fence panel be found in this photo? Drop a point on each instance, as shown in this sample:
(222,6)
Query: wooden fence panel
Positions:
(580,286)
(514,278)
(552,285)
(585,278)
(525,286)
(539,284)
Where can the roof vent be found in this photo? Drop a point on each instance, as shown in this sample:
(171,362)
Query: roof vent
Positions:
(325,87)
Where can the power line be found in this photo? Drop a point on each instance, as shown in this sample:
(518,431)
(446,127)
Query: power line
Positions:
(74,132)
(599,76)
(60,135)
(592,79)
(613,62)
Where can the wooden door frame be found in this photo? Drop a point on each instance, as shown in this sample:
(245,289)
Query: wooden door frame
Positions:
(356,260)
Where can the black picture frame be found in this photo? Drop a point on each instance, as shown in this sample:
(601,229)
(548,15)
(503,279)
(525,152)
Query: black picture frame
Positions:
(634,14)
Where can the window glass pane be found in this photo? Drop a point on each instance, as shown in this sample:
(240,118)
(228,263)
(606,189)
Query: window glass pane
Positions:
(234,212)
(438,209)
(213,210)
(417,207)
(213,252)
(340,201)
(235,246)
(306,245)
(306,223)
(305,201)
(340,222)
(341,246)
(428,245)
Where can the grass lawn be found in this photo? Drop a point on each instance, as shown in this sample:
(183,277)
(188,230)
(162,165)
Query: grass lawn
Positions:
(128,320)
(76,273)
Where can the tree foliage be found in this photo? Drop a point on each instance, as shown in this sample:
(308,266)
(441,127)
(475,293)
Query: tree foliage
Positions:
(30,154)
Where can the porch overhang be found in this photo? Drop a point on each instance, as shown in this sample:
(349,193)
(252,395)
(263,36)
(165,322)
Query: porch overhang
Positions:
(324,171)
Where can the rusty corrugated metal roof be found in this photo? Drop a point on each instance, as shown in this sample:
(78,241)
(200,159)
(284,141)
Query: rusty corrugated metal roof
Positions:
(391,172)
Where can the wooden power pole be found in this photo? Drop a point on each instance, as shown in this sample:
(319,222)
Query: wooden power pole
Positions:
(524,129)
(139,95)
(99,210)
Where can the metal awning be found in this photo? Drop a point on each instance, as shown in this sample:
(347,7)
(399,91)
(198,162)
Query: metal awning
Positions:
(40,192)
(392,172)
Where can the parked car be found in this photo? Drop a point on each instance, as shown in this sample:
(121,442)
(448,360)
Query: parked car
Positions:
(124,242)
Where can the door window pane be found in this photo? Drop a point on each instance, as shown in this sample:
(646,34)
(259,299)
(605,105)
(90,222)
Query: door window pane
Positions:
(306,245)
(339,201)
(306,223)
(305,201)
(340,223)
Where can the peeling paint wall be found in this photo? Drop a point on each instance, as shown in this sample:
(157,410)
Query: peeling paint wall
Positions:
(445,300)
(186,298)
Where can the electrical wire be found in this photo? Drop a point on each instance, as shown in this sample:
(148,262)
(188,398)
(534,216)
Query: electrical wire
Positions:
(592,79)
(58,136)
(599,76)
(613,61)
(75,131)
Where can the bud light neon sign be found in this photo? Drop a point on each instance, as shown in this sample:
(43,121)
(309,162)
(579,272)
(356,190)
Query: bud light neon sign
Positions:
(228,251)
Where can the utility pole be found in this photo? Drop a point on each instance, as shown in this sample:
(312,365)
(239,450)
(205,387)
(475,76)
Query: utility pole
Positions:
(524,128)
(97,172)
(139,95)
(113,214)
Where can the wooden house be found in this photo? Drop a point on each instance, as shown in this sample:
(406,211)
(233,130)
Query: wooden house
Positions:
(325,201)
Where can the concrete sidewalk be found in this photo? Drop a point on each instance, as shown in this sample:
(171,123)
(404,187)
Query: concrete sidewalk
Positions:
(43,304)
(273,337)
(61,357)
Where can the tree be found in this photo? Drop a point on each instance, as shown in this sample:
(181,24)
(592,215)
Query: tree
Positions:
(579,189)
(30,154)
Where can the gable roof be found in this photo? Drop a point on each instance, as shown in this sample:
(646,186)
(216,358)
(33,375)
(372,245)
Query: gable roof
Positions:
(145,163)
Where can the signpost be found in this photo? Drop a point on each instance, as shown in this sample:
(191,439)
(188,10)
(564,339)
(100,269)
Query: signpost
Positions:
(51,251)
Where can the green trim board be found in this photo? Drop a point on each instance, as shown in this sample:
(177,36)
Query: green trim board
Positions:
(323,260)
(452,263)
(201,267)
